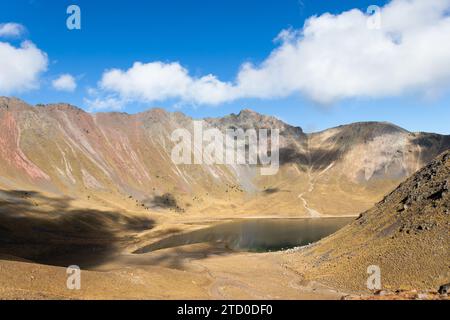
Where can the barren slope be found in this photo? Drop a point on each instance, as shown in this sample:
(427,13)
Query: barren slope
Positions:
(406,235)
(123,161)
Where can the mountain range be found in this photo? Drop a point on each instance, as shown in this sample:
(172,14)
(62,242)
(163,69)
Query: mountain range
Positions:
(120,160)
(94,189)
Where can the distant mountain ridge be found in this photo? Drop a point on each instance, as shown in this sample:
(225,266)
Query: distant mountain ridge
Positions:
(64,150)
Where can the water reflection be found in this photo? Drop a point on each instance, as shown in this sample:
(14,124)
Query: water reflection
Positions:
(257,235)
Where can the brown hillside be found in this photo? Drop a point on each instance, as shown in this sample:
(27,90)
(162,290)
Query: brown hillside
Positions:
(406,235)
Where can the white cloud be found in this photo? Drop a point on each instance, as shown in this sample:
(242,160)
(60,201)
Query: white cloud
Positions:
(65,82)
(104,103)
(158,81)
(338,57)
(332,57)
(11,29)
(20,67)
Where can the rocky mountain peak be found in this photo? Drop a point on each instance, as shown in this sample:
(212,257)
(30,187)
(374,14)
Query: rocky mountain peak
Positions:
(248,118)
(12,103)
(60,107)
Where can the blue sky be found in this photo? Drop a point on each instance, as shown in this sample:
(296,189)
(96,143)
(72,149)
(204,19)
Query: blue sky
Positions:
(204,37)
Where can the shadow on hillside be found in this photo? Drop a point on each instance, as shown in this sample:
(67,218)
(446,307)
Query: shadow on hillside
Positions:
(166,201)
(431,145)
(271,190)
(177,257)
(318,159)
(47,230)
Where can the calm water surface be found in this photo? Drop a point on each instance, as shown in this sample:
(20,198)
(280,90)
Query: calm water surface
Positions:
(257,235)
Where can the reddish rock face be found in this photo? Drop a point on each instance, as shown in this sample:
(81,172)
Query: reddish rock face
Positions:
(10,150)
(63,149)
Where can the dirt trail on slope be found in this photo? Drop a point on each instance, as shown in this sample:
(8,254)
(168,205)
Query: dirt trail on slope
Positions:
(312,213)
(311,184)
